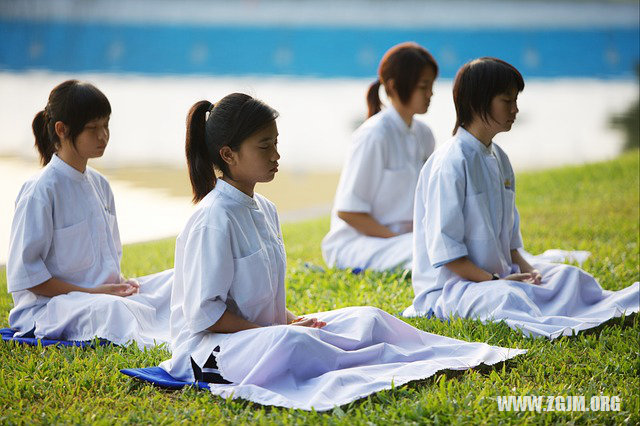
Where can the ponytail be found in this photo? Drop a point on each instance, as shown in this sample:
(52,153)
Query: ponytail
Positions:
(404,63)
(201,168)
(44,143)
(234,118)
(373,98)
(73,103)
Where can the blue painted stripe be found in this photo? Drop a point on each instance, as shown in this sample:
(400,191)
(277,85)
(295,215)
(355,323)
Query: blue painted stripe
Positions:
(304,51)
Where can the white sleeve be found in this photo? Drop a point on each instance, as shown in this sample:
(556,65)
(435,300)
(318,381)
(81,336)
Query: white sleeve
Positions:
(29,244)
(207,276)
(516,236)
(444,219)
(116,230)
(361,177)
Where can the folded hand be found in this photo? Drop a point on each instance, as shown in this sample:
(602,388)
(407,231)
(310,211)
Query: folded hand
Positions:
(308,322)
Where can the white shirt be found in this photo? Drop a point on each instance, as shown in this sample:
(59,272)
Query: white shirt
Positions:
(464,206)
(229,255)
(64,227)
(379,176)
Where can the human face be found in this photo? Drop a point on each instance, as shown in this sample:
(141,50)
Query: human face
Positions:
(421,96)
(91,142)
(256,160)
(93,139)
(504,108)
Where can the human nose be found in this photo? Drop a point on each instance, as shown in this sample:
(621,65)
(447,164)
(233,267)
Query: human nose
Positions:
(104,133)
(515,109)
(275,156)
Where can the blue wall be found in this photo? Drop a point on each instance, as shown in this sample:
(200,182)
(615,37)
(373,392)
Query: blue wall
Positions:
(304,51)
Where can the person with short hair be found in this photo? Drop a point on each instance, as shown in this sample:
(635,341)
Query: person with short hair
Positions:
(468,251)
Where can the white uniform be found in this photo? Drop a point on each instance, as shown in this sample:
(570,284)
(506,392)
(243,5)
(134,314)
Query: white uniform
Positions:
(65,227)
(465,206)
(230,256)
(379,177)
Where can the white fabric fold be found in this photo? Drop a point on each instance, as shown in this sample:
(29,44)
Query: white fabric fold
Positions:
(465,206)
(569,300)
(557,256)
(142,318)
(361,351)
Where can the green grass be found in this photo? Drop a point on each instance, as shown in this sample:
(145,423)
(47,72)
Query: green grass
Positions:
(593,207)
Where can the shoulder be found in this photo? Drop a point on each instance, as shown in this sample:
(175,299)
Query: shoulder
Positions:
(40,187)
(372,133)
(213,212)
(450,157)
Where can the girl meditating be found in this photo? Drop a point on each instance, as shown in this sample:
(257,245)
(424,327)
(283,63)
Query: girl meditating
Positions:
(63,267)
(468,249)
(230,325)
(371,222)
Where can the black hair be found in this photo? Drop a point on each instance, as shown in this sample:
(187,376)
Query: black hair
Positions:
(233,119)
(404,64)
(73,102)
(477,83)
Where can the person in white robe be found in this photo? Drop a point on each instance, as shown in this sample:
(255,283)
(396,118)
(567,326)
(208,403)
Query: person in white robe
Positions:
(372,215)
(229,322)
(63,267)
(468,250)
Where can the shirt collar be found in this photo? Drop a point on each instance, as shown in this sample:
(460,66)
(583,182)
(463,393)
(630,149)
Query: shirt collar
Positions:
(66,170)
(235,194)
(396,119)
(471,141)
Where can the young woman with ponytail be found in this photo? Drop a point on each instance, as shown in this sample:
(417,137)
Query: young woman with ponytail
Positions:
(63,267)
(229,323)
(371,223)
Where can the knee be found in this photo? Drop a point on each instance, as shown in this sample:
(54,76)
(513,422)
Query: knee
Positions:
(372,312)
(371,315)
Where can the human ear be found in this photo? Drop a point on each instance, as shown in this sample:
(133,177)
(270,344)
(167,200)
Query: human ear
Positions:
(227,155)
(390,87)
(61,130)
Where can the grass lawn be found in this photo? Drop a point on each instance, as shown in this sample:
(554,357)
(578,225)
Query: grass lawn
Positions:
(592,207)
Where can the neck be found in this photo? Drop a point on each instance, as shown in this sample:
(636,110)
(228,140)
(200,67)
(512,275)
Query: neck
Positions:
(478,129)
(407,116)
(71,157)
(244,187)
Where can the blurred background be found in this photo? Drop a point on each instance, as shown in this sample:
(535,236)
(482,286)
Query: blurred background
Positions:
(312,60)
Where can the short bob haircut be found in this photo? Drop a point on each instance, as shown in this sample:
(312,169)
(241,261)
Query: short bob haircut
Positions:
(477,83)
